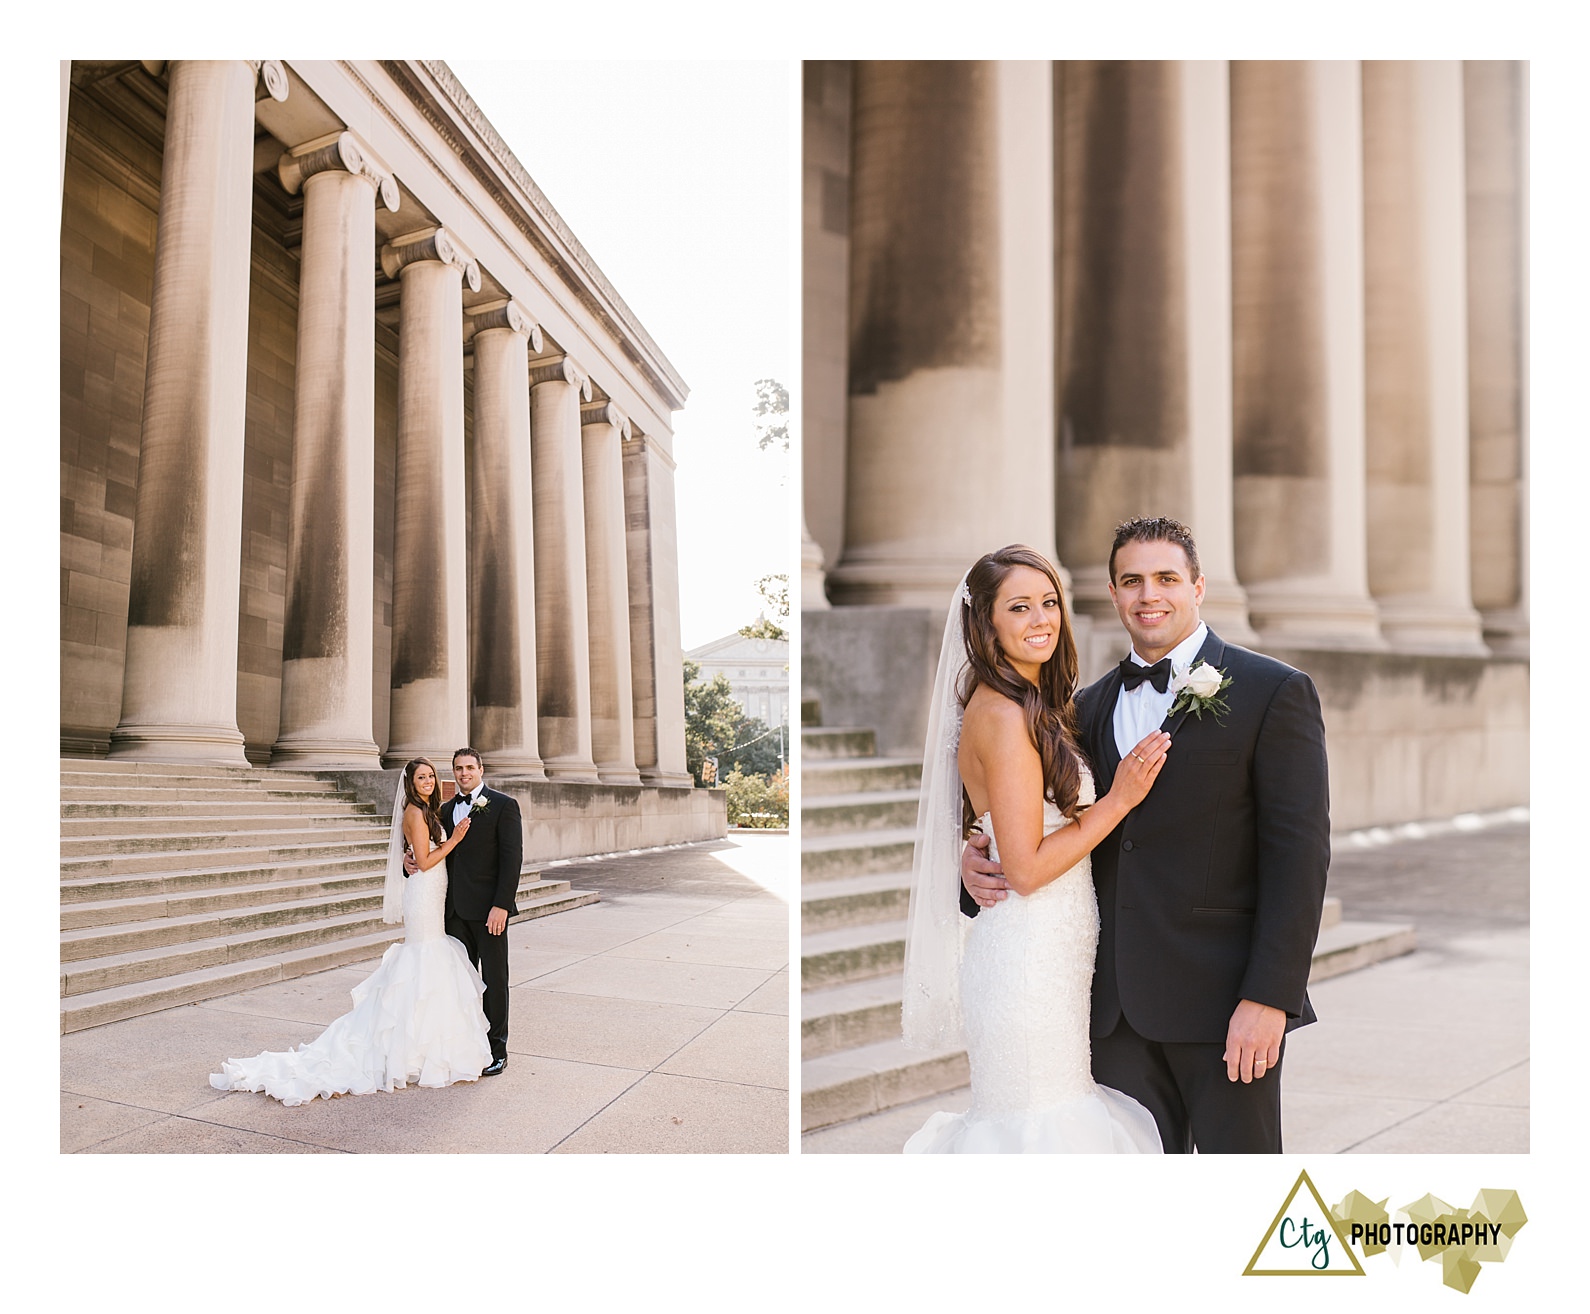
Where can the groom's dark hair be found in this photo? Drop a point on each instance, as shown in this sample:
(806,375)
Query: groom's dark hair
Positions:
(469,752)
(1155,529)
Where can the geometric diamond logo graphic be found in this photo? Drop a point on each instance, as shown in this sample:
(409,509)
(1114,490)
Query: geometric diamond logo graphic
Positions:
(1303,1240)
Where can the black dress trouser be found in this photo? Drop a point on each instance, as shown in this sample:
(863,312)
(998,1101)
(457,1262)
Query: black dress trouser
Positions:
(489,954)
(1193,1101)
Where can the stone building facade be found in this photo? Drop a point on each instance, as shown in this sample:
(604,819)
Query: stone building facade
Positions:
(1284,302)
(757,671)
(362,456)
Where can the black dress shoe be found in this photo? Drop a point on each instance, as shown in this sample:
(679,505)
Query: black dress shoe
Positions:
(497,1065)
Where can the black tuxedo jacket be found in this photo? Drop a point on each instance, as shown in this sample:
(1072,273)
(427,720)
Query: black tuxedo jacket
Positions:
(483,871)
(1210,890)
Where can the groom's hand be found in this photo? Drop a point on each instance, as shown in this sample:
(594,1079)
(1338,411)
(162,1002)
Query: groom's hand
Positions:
(497,921)
(1253,1041)
(981,876)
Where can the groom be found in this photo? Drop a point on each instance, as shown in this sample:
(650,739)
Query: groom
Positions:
(482,879)
(1210,890)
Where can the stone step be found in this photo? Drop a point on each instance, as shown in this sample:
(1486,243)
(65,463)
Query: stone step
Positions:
(115,876)
(139,965)
(1348,945)
(153,903)
(856,814)
(1331,913)
(113,1003)
(145,823)
(852,953)
(78,789)
(152,818)
(180,848)
(855,901)
(829,857)
(103,767)
(821,779)
(828,742)
(159,932)
(871,1078)
(842,1017)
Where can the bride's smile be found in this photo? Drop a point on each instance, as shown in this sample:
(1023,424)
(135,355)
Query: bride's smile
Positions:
(1026,618)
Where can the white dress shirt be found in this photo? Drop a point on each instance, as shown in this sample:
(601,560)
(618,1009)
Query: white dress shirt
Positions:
(466,800)
(1142,710)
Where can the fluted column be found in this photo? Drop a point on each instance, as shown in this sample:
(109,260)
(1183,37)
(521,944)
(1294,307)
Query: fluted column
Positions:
(656,652)
(951,414)
(1496,160)
(502,642)
(1144,345)
(327,641)
(430,690)
(603,428)
(1417,355)
(1298,326)
(563,649)
(179,692)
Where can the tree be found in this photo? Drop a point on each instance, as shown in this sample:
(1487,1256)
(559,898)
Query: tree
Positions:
(775,593)
(712,719)
(772,415)
(762,628)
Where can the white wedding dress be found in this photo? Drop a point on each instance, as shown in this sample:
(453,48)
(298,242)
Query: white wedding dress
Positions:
(416,1018)
(1025,981)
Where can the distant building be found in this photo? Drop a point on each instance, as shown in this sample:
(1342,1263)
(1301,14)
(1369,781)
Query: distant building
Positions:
(756,669)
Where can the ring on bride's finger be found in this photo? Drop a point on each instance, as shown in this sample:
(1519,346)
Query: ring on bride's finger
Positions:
(1141,758)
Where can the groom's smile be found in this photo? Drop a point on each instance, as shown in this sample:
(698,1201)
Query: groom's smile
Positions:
(1155,595)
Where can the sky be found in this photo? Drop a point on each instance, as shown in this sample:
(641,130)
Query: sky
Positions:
(678,179)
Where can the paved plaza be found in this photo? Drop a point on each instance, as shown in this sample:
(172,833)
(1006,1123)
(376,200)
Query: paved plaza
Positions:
(654,1021)
(1387,1070)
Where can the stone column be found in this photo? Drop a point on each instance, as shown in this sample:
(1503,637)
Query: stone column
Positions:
(1298,334)
(179,692)
(502,641)
(563,649)
(1496,158)
(327,641)
(656,652)
(950,418)
(430,690)
(603,428)
(1416,379)
(1144,344)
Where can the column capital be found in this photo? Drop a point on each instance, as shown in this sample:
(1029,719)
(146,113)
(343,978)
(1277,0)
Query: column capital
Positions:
(561,369)
(430,244)
(270,76)
(605,412)
(337,150)
(508,314)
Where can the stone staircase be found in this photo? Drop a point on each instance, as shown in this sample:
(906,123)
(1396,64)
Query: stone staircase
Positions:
(858,823)
(182,883)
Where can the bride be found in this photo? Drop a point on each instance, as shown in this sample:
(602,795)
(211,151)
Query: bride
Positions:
(417,1017)
(1013,984)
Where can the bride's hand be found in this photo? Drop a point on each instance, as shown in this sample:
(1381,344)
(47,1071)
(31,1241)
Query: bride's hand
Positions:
(460,830)
(1140,768)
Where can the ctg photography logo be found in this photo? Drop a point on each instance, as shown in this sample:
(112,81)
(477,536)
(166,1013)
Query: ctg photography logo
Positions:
(1307,1238)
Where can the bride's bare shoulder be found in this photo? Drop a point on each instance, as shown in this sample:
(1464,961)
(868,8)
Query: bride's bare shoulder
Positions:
(992,717)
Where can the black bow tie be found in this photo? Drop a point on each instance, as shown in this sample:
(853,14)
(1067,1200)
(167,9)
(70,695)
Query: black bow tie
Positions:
(460,798)
(1133,675)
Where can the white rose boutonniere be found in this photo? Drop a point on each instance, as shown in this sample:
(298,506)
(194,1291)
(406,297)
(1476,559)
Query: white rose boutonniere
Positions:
(479,805)
(1198,689)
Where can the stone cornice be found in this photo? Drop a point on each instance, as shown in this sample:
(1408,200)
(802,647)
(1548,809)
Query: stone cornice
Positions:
(340,150)
(561,369)
(444,104)
(431,244)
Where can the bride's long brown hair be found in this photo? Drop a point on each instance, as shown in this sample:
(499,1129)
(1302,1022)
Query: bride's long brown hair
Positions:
(1051,715)
(430,808)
